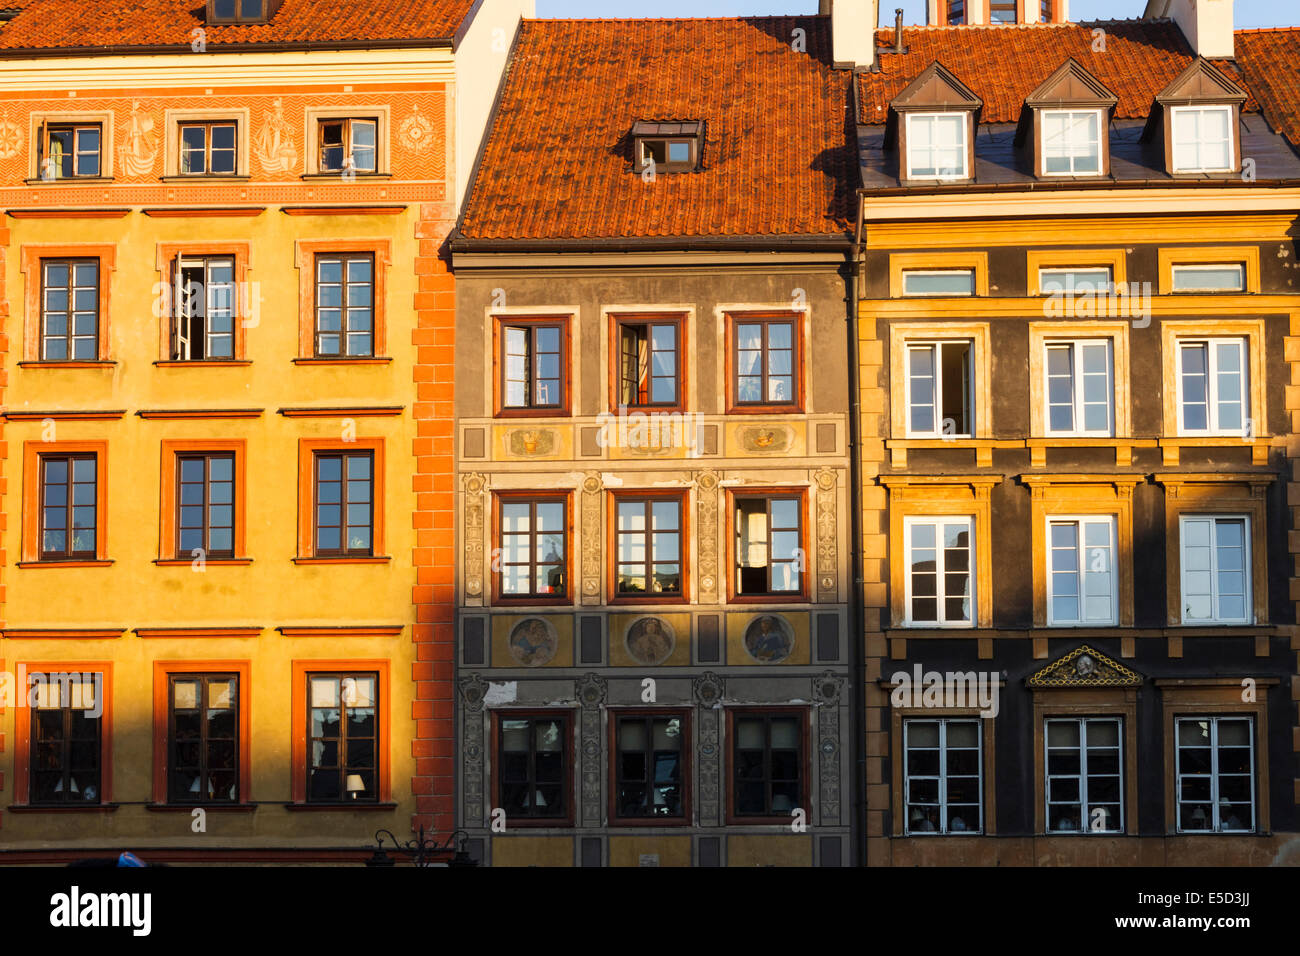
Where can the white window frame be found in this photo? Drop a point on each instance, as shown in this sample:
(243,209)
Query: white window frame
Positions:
(910,522)
(1076,347)
(1042,141)
(907,273)
(1214,775)
(1085,810)
(1247,554)
(1173,135)
(1206,267)
(1082,558)
(942,777)
(936,348)
(1212,384)
(963,146)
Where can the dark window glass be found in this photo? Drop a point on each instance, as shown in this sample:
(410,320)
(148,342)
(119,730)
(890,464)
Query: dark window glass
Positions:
(956,12)
(66,728)
(203,738)
(342,738)
(532,778)
(69,310)
(769,548)
(207,149)
(767,761)
(1216,774)
(648,768)
(203,324)
(70,151)
(344,504)
(534,547)
(532,362)
(205,503)
(649,547)
(765,360)
(648,363)
(68,507)
(345,306)
(1002,11)
(941,776)
(1085,775)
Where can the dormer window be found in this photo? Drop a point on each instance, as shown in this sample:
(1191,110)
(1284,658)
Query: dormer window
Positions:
(1202,139)
(666,147)
(933,124)
(241,11)
(1065,123)
(1002,11)
(1196,115)
(936,146)
(956,12)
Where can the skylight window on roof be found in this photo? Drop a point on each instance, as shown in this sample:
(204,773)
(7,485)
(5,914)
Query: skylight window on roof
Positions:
(241,11)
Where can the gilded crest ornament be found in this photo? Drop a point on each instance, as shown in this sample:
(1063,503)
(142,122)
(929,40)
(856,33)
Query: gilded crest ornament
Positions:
(1085,667)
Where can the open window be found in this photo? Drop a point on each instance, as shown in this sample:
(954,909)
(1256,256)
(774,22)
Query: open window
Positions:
(70,151)
(768,548)
(204,309)
(345,143)
(666,147)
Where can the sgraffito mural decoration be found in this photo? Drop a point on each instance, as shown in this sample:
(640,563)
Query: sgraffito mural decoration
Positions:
(707,539)
(138,149)
(475,514)
(533,642)
(827,564)
(473,690)
(11,137)
(708,690)
(828,690)
(274,146)
(416,131)
(592,487)
(590,690)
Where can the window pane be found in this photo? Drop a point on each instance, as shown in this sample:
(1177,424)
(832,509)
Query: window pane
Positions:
(939,283)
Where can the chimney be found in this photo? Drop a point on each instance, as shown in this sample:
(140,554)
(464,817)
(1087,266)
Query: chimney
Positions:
(853,32)
(1207,24)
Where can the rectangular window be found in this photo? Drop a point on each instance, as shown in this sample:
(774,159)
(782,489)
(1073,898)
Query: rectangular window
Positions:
(956,12)
(69,310)
(936,146)
(1085,776)
(648,550)
(1215,562)
(769,545)
(1079,387)
(767,356)
(649,767)
(203,738)
(767,755)
(1081,571)
(343,738)
(533,365)
(208,149)
(1216,774)
(1210,278)
(1002,11)
(205,506)
(66,740)
(1071,142)
(533,774)
(940,389)
(203,324)
(939,282)
(344,505)
(69,151)
(1212,387)
(649,370)
(69,518)
(237,11)
(940,556)
(345,298)
(943,776)
(1045,11)
(534,547)
(1070,281)
(1202,139)
(347,144)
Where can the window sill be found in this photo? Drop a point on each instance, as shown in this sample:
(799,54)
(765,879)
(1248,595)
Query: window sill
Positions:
(207,562)
(203,363)
(98,563)
(1259,445)
(791,408)
(533,413)
(358,360)
(540,600)
(344,807)
(792,597)
(983,448)
(338,175)
(68,180)
(639,823)
(205,178)
(1123,446)
(79,363)
(58,808)
(207,807)
(633,600)
(377,559)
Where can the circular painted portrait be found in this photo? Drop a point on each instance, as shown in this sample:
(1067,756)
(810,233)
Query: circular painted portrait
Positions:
(533,642)
(769,639)
(650,640)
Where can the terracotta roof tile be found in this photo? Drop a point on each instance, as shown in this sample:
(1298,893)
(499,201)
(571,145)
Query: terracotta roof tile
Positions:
(777,160)
(1004,64)
(1271,61)
(60,24)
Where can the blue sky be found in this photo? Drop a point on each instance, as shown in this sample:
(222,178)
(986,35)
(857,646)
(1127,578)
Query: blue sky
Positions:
(1249,13)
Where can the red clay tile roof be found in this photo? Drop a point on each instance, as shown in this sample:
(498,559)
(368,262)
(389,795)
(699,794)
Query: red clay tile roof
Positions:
(778,157)
(1004,64)
(62,24)
(1271,61)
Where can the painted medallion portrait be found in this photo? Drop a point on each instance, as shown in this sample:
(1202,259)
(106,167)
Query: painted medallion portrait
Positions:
(768,639)
(532,642)
(650,641)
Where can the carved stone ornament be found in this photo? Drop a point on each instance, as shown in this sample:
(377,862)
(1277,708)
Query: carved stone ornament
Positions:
(592,488)
(475,524)
(1085,667)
